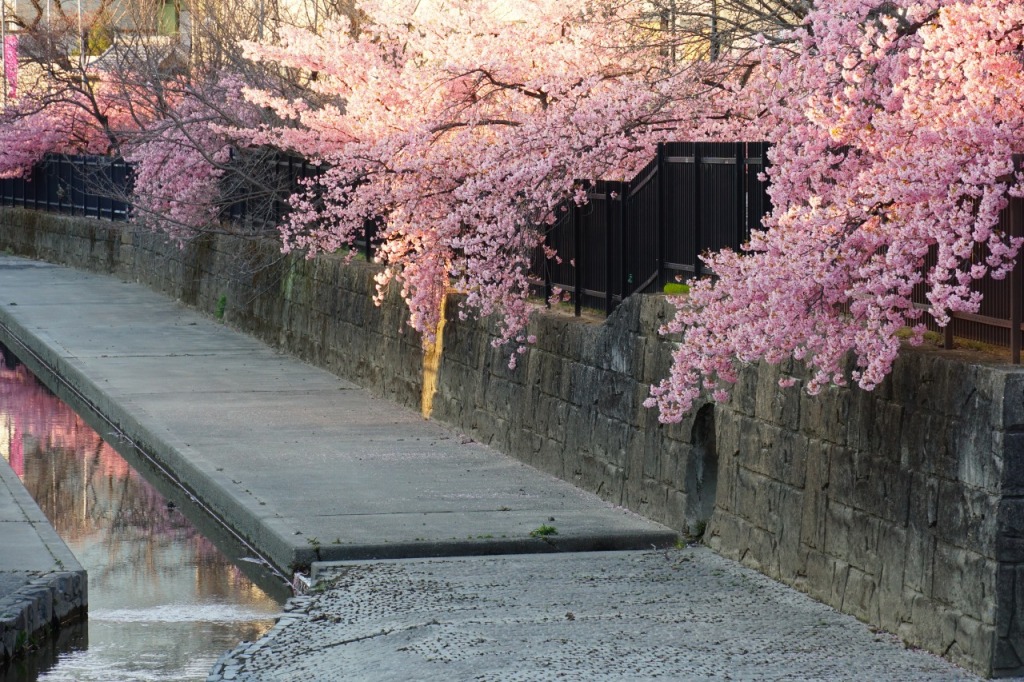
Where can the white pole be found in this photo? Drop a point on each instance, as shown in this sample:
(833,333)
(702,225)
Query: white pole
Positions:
(81,38)
(3,49)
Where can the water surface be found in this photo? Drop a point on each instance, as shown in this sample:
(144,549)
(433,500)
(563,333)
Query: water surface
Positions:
(164,601)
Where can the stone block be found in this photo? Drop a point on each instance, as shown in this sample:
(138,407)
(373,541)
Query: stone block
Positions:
(974,645)
(610,440)
(778,453)
(972,445)
(923,513)
(852,536)
(791,553)
(1011,417)
(745,441)
(773,404)
(837,588)
(760,552)
(860,598)
(1010,539)
(965,581)
(636,367)
(817,575)
(726,492)
(753,498)
(930,625)
(891,576)
(674,462)
(599,477)
(615,349)
(969,518)
(652,314)
(1017,626)
(815,498)
(743,396)
(1008,603)
(1006,661)
(728,433)
(725,534)
(1010,445)
(875,486)
(825,415)
(549,370)
(626,317)
(657,360)
(880,427)
(579,429)
(614,395)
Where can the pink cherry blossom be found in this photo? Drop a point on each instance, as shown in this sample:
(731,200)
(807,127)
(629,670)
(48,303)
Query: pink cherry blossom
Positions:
(894,125)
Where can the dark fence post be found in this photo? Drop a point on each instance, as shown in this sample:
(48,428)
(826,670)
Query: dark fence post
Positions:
(741,193)
(367,232)
(698,218)
(1016,280)
(608,248)
(624,190)
(661,215)
(546,243)
(577,258)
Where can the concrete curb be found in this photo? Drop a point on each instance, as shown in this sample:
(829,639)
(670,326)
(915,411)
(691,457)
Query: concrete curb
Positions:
(47,598)
(39,609)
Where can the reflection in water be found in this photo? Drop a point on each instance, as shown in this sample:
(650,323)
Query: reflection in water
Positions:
(164,603)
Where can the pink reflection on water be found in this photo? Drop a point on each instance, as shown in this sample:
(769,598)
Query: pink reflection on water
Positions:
(100,505)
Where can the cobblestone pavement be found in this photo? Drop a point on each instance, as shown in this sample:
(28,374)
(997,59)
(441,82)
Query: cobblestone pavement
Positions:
(682,614)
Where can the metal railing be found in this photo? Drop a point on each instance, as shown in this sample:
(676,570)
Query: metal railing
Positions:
(92,186)
(631,237)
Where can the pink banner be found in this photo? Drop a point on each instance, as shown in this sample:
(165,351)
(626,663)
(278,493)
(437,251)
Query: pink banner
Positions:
(11,65)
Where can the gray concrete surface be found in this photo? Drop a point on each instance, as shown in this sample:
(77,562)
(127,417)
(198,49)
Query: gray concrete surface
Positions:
(305,465)
(673,614)
(40,579)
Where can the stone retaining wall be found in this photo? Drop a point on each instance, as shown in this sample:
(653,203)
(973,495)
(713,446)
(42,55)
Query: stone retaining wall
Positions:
(904,506)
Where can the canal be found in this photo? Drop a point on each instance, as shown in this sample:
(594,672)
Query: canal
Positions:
(169,589)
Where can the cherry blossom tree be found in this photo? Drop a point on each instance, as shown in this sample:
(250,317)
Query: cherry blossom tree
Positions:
(463,126)
(894,125)
(62,106)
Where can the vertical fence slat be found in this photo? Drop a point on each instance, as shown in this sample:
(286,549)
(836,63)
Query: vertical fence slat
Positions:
(608,248)
(740,198)
(660,215)
(623,243)
(698,213)
(1016,280)
(577,259)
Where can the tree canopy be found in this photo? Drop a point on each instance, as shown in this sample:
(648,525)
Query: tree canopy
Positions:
(462,127)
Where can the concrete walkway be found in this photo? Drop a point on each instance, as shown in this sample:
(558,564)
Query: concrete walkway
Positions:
(303,464)
(308,466)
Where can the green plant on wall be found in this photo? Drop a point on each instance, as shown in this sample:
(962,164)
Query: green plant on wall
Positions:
(222,304)
(675,288)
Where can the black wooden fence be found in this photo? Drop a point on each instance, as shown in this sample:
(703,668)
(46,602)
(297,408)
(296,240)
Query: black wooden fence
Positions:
(630,237)
(93,186)
(636,236)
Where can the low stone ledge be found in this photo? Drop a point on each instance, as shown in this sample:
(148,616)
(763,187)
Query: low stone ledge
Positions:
(39,609)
